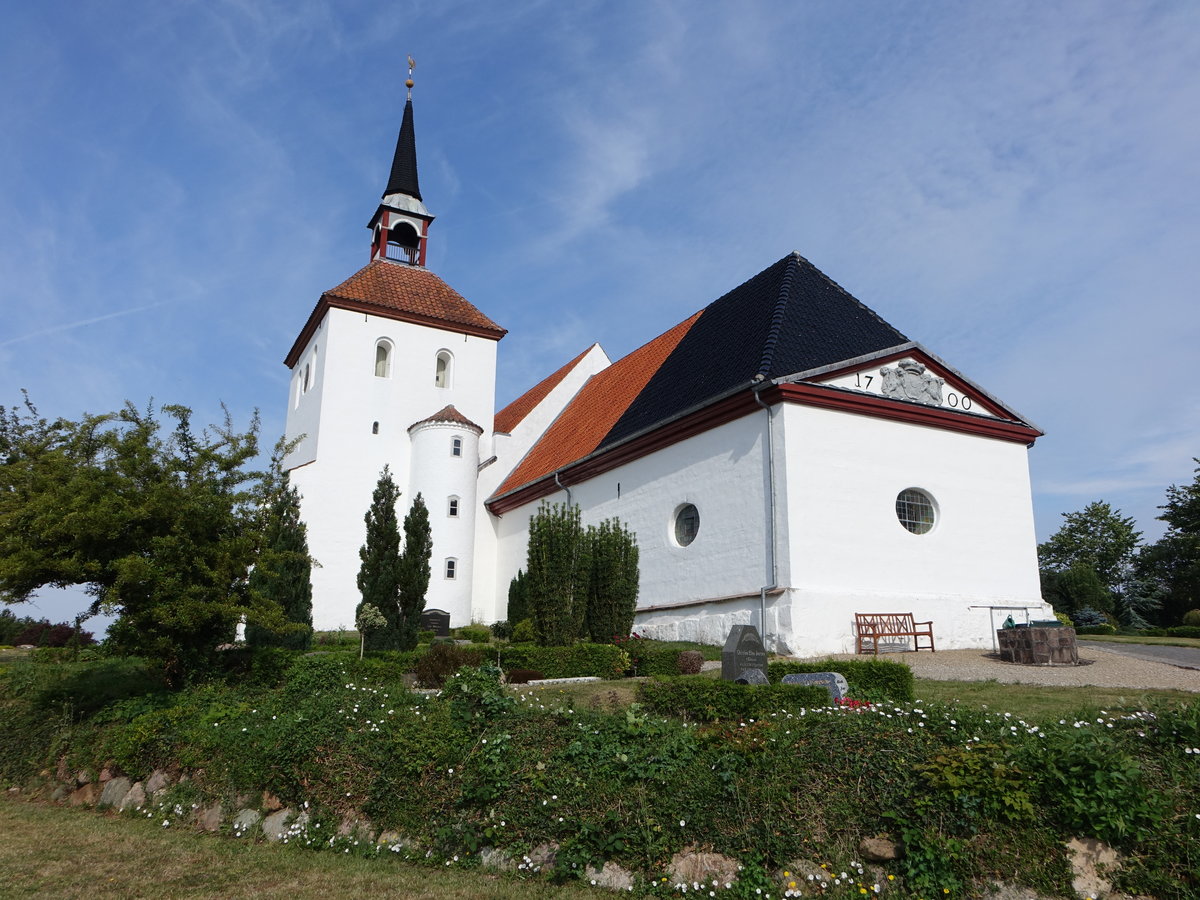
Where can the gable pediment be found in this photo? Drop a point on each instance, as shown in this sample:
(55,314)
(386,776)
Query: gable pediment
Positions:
(913,375)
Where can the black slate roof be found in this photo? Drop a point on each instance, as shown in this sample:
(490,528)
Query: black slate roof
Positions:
(788,318)
(403,178)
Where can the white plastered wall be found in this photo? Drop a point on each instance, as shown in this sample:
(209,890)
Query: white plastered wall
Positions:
(721,472)
(847,551)
(336,474)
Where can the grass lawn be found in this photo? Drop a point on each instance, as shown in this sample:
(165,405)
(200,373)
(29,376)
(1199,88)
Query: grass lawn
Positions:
(1135,639)
(1029,701)
(1033,702)
(52,851)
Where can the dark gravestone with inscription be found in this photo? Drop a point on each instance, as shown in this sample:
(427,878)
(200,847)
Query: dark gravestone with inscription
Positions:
(435,620)
(831,681)
(744,654)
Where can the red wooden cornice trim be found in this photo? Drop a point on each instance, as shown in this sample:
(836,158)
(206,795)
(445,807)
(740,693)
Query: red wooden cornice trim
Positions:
(741,404)
(824,397)
(332,301)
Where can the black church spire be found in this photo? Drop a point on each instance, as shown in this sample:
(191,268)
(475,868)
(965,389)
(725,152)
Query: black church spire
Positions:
(403,178)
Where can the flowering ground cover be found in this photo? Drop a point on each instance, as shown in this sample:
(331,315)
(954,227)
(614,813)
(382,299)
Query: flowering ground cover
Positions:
(973,795)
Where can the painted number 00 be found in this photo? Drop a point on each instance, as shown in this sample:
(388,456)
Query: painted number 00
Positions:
(953,399)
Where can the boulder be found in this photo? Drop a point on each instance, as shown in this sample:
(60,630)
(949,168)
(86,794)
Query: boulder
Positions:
(208,818)
(82,777)
(690,866)
(801,869)
(496,860)
(612,877)
(1091,862)
(136,798)
(245,821)
(84,796)
(543,856)
(275,825)
(115,791)
(879,849)
(158,780)
(61,793)
(271,803)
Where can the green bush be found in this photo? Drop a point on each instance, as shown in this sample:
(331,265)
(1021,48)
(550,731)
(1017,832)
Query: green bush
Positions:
(710,699)
(1184,631)
(575,661)
(425,637)
(1192,617)
(476,634)
(1106,628)
(867,679)
(442,661)
(523,633)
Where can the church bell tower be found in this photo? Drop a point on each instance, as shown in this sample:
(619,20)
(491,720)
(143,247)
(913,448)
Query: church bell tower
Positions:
(400,226)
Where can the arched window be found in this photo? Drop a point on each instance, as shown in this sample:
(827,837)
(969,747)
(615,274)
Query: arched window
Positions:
(383,359)
(452,507)
(451,569)
(456,446)
(374,428)
(441,371)
(307,377)
(404,244)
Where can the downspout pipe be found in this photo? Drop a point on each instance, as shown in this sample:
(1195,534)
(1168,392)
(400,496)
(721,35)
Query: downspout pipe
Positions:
(563,487)
(757,386)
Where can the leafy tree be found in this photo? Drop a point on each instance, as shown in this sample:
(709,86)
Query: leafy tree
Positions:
(379,574)
(1172,563)
(414,573)
(284,568)
(161,529)
(613,585)
(558,568)
(1074,588)
(518,598)
(368,621)
(1099,537)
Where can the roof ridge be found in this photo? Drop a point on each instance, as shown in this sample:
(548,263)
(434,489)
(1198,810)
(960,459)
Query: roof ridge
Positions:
(842,290)
(781,302)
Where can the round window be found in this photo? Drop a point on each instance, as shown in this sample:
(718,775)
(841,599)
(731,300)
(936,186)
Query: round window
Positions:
(687,523)
(915,510)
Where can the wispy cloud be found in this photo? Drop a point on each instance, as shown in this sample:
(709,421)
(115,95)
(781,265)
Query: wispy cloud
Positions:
(70,326)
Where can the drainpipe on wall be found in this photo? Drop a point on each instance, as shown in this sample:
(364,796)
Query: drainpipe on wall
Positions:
(757,385)
(563,487)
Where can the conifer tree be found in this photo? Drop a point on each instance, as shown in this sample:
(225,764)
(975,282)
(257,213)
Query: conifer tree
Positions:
(414,573)
(283,570)
(518,599)
(613,584)
(558,569)
(379,574)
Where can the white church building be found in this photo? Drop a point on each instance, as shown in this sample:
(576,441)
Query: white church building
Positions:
(785,457)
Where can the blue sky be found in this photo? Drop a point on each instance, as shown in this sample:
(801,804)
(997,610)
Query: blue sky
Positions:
(1013,185)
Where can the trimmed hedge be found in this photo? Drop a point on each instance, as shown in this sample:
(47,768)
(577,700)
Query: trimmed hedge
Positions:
(578,660)
(867,679)
(1183,631)
(710,699)
(1096,629)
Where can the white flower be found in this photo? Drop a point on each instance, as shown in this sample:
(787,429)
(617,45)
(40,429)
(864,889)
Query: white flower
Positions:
(682,823)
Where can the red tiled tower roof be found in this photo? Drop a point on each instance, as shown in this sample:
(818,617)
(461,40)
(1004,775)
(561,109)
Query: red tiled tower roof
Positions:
(450,415)
(402,292)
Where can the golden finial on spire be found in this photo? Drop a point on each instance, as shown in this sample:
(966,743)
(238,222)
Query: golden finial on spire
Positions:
(412,64)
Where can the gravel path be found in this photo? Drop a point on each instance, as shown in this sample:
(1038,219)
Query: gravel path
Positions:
(1101,668)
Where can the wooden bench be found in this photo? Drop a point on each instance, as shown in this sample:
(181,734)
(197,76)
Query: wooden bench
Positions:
(872,627)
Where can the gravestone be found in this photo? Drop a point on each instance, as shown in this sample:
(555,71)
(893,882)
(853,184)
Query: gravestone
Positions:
(435,620)
(744,654)
(833,682)
(752,676)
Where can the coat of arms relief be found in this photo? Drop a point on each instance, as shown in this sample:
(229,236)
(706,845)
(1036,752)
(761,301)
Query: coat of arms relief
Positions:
(908,380)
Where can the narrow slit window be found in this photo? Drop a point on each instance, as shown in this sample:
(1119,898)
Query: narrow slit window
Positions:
(374,428)
(456,446)
(451,569)
(452,508)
